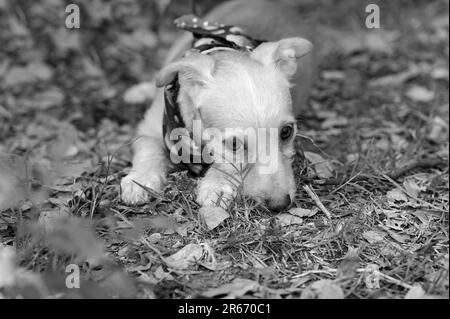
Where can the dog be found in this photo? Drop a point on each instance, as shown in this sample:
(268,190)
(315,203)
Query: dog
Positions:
(262,89)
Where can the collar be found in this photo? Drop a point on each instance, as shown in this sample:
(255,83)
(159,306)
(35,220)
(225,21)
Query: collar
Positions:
(208,38)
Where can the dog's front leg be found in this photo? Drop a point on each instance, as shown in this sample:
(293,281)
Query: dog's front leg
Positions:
(216,188)
(150,167)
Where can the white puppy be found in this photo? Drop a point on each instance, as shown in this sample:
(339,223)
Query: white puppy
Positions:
(259,91)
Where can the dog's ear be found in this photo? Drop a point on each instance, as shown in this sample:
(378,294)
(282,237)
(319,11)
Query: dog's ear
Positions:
(195,68)
(283,54)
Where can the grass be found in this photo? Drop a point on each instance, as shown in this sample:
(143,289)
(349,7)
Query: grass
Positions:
(386,141)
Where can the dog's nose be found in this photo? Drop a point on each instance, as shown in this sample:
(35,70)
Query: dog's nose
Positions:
(280,204)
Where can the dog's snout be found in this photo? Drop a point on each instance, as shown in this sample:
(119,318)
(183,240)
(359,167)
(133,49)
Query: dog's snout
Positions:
(280,204)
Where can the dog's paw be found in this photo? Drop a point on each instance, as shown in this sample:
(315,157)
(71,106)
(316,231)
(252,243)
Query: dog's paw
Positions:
(133,193)
(213,195)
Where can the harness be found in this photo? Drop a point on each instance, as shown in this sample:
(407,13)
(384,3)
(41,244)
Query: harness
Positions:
(208,38)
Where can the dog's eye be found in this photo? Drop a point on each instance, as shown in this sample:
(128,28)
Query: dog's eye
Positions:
(234,144)
(286,132)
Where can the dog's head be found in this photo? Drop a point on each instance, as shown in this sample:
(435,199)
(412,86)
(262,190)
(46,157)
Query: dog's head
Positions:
(245,98)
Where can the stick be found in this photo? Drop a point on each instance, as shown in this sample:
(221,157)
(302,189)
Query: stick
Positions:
(412,196)
(359,270)
(420,163)
(316,199)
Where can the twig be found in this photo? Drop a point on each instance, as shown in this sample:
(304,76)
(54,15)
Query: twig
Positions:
(387,278)
(394,174)
(412,196)
(348,181)
(311,272)
(316,199)
(359,270)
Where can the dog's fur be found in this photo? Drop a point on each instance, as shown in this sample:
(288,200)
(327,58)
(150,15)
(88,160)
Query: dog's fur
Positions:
(264,89)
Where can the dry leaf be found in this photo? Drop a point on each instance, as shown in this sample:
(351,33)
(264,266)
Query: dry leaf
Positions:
(420,94)
(213,216)
(7,266)
(439,130)
(397,195)
(335,122)
(398,237)
(333,75)
(373,236)
(412,188)
(286,219)
(160,274)
(372,276)
(323,167)
(33,72)
(140,93)
(322,289)
(349,264)
(237,288)
(192,254)
(51,219)
(139,39)
(185,257)
(397,79)
(380,41)
(303,212)
(440,73)
(10,191)
(416,292)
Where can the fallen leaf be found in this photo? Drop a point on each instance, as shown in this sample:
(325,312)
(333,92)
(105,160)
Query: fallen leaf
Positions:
(412,188)
(416,292)
(185,257)
(397,195)
(33,72)
(286,219)
(7,266)
(373,236)
(420,94)
(398,237)
(349,264)
(380,41)
(47,99)
(335,122)
(351,158)
(69,235)
(424,217)
(160,274)
(398,142)
(372,276)
(439,130)
(140,93)
(5,113)
(394,80)
(322,289)
(237,288)
(139,39)
(191,254)
(11,193)
(51,219)
(323,167)
(333,75)
(440,73)
(154,238)
(65,41)
(303,212)
(213,216)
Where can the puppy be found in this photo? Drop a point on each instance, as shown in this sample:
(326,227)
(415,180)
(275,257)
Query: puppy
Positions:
(249,98)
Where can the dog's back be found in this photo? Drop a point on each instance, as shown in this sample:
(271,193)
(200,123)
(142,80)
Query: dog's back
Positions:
(264,20)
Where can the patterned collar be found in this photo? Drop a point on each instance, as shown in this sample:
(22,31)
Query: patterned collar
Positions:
(208,38)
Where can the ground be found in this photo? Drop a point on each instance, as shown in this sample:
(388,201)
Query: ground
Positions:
(370,217)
